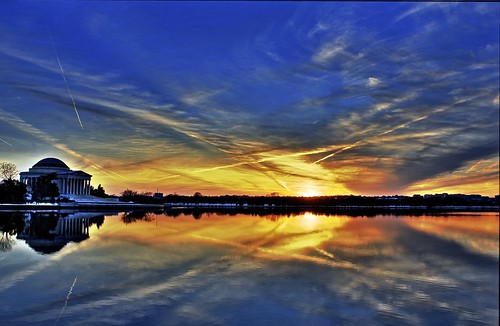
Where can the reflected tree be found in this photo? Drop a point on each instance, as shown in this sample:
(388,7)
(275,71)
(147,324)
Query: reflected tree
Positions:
(197,214)
(6,242)
(131,217)
(10,225)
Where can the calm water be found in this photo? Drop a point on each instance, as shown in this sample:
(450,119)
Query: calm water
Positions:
(212,269)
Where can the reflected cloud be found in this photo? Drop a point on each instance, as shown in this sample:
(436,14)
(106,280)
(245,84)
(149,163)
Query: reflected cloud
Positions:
(476,232)
(379,270)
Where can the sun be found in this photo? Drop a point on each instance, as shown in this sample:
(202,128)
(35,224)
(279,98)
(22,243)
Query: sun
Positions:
(310,193)
(310,190)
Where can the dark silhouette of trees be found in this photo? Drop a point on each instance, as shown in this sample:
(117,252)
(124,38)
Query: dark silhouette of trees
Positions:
(98,192)
(45,188)
(10,225)
(139,198)
(12,191)
(128,195)
(131,217)
(340,201)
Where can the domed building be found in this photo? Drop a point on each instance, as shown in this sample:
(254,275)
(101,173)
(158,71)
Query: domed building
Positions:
(69,182)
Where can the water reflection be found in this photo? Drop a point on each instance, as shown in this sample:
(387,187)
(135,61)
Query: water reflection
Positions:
(278,212)
(305,268)
(47,232)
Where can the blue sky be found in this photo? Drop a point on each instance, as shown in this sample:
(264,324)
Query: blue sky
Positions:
(299,98)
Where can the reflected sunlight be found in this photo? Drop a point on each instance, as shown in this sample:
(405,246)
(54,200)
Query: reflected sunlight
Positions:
(308,220)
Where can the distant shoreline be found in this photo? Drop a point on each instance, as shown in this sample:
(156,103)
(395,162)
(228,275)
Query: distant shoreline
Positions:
(119,206)
(333,208)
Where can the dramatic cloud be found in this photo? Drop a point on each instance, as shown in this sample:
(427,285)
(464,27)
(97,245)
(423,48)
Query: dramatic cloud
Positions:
(230,98)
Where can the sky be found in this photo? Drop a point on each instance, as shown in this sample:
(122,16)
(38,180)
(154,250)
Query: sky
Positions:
(295,98)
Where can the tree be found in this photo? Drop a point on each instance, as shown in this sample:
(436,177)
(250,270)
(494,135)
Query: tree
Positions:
(8,171)
(44,187)
(12,191)
(99,192)
(129,195)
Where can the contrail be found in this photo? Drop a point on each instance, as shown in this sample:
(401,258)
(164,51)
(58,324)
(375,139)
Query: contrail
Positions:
(403,125)
(29,129)
(339,151)
(67,298)
(66,83)
(6,142)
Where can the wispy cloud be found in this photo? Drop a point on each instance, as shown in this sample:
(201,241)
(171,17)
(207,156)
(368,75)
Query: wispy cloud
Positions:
(42,136)
(325,96)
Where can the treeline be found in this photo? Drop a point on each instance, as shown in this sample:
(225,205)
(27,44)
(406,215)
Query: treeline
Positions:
(328,201)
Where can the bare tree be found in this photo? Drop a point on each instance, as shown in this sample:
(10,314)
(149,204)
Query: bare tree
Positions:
(8,171)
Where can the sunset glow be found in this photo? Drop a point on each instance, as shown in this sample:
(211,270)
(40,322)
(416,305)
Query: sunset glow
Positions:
(294,98)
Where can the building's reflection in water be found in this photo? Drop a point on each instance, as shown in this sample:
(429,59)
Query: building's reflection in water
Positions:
(49,232)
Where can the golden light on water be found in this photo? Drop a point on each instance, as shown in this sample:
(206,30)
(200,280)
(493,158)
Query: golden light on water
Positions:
(307,237)
(309,221)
